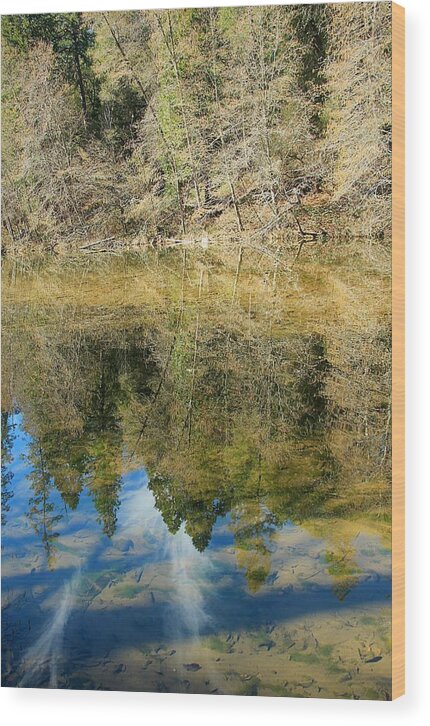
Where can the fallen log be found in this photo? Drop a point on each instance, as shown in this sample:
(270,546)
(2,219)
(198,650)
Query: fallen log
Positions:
(97,242)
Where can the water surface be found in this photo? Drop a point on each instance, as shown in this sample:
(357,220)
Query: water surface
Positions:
(196,476)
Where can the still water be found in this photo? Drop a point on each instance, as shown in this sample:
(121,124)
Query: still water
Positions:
(196,476)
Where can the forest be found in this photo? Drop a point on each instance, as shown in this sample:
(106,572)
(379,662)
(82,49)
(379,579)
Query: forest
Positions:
(196,350)
(266,126)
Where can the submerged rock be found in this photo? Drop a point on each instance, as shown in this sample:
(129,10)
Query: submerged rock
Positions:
(124,545)
(120,668)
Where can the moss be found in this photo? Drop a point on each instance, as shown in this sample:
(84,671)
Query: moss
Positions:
(305,657)
(218,644)
(128,591)
(325,650)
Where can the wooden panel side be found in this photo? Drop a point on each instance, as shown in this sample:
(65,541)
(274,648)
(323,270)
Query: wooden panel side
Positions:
(398,371)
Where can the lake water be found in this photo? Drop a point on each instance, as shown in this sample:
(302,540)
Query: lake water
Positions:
(196,475)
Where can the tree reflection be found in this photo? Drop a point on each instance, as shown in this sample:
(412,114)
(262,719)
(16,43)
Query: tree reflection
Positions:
(42,512)
(7,437)
(287,427)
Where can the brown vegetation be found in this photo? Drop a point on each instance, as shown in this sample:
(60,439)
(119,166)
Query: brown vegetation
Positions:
(247,124)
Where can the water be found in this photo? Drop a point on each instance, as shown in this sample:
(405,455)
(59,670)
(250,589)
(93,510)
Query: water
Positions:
(196,477)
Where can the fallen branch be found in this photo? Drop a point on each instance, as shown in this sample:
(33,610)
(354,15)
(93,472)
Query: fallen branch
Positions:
(312,235)
(110,250)
(97,242)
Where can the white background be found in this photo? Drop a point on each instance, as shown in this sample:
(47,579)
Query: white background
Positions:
(76,708)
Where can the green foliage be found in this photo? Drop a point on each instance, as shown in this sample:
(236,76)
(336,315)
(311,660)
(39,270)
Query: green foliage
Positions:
(71,39)
(23,31)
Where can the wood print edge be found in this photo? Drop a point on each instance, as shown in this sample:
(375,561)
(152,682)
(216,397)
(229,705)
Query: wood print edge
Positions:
(398,355)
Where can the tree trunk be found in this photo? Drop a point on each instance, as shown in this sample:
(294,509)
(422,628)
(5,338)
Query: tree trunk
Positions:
(80,78)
